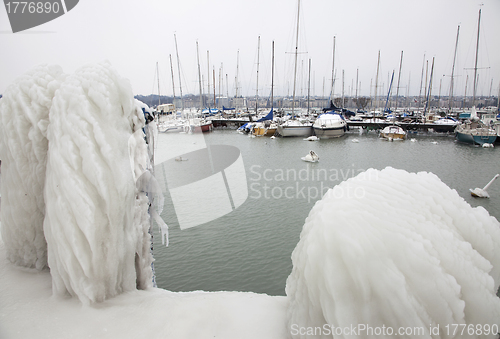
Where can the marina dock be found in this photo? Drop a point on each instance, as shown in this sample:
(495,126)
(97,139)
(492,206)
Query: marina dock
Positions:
(407,126)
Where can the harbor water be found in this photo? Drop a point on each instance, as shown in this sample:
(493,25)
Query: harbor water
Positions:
(249,249)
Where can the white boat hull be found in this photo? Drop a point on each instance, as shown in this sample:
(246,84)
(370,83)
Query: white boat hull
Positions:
(327,133)
(295,131)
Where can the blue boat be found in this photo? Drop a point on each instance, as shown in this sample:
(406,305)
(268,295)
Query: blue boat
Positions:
(475,132)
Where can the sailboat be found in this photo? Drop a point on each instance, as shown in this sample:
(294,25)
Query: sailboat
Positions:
(265,126)
(197,124)
(474,131)
(293,127)
(392,132)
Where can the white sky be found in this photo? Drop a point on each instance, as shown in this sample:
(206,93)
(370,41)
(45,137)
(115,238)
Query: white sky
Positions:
(134,35)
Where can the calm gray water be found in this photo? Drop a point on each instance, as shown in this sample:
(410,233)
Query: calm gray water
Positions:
(249,249)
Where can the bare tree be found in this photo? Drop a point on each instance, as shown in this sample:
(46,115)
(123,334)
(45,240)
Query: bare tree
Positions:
(362,102)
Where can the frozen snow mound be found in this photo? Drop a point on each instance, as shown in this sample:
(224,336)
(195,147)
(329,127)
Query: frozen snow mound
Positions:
(392,249)
(78,190)
(90,190)
(24,114)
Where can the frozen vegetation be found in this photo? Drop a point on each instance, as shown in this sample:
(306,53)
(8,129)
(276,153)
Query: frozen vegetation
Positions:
(24,120)
(73,149)
(386,249)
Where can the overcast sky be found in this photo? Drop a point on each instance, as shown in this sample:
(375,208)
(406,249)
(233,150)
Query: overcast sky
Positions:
(134,35)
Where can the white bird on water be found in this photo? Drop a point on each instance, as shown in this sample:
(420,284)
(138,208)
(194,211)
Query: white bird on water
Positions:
(481,193)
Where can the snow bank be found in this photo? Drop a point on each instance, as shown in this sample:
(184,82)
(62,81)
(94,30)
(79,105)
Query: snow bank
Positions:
(394,249)
(24,114)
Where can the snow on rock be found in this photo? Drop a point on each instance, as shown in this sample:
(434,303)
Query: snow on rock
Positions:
(90,190)
(24,114)
(395,249)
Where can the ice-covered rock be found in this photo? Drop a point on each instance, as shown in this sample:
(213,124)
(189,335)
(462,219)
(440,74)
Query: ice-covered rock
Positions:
(392,249)
(24,114)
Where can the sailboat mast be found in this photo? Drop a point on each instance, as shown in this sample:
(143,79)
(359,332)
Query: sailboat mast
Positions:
(199,76)
(450,103)
(221,83)
(475,64)
(376,80)
(158,76)
(309,87)
(426,76)
(465,94)
(421,83)
(357,82)
(399,80)
(332,89)
(208,79)
(389,93)
(296,56)
(439,94)
(498,99)
(272,79)
(342,88)
(430,87)
(172,71)
(179,71)
(257,89)
(214,87)
(237,70)
(407,102)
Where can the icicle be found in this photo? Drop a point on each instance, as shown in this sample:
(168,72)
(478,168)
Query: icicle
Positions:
(148,184)
(163,227)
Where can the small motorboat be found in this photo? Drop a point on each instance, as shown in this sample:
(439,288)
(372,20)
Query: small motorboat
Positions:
(330,125)
(393,132)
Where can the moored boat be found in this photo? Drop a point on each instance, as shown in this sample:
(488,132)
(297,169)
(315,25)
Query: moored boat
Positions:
(447,121)
(475,132)
(265,128)
(295,128)
(393,132)
(330,125)
(493,121)
(200,125)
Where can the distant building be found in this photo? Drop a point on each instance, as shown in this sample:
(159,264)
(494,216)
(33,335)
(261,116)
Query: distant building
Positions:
(166,109)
